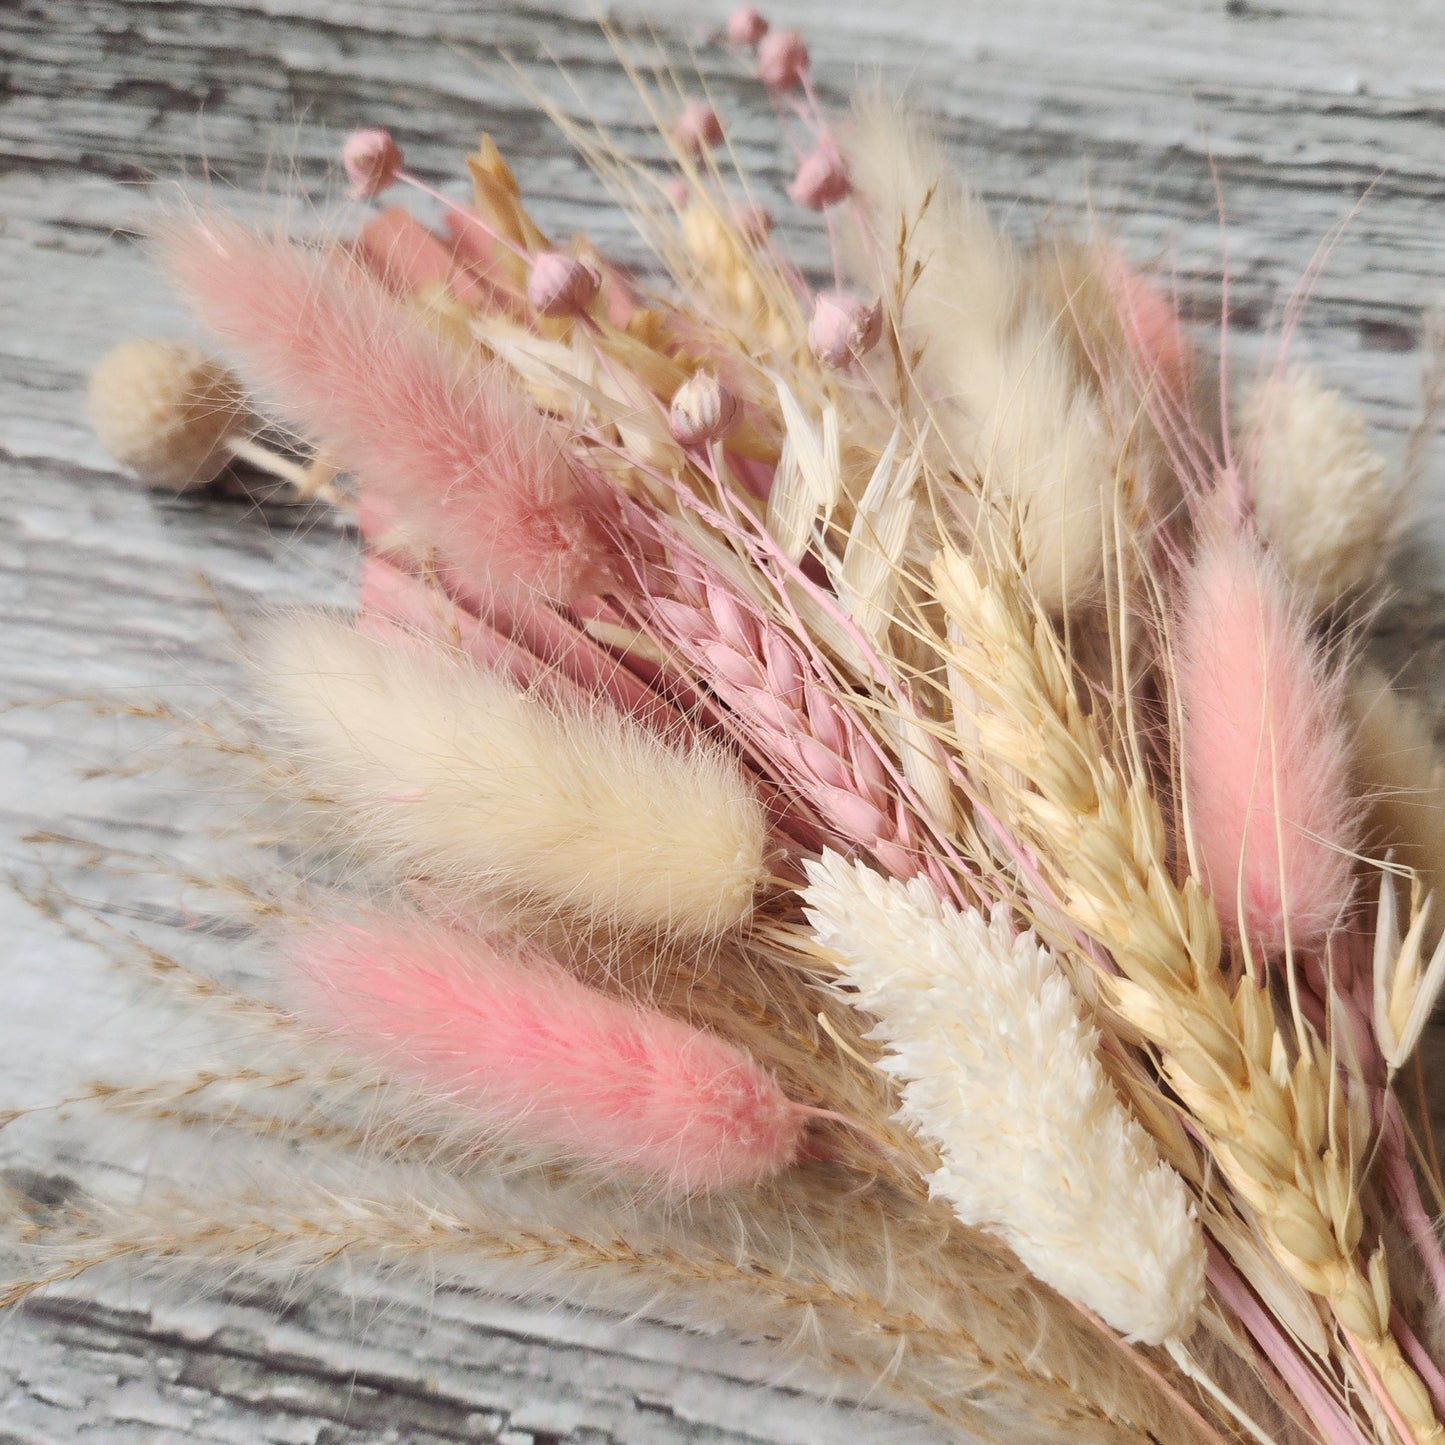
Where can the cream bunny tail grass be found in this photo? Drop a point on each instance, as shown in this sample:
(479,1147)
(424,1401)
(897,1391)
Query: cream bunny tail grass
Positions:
(448,767)
(1322,496)
(1403,776)
(995,377)
(999,1071)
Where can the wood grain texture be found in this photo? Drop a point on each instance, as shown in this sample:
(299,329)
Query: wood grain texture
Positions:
(1299,116)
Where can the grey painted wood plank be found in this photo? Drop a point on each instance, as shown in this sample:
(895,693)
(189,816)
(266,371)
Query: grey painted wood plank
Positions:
(1115,107)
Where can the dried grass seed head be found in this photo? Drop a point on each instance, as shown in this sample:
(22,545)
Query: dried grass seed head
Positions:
(167,410)
(449,444)
(562,285)
(450,768)
(1322,495)
(782,57)
(999,1071)
(505,1036)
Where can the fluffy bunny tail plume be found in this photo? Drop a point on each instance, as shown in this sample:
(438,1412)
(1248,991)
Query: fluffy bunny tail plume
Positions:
(994,378)
(999,1073)
(1322,496)
(1403,777)
(542,1061)
(468,463)
(456,772)
(1266,754)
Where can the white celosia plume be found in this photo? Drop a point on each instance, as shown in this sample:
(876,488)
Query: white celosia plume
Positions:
(999,1072)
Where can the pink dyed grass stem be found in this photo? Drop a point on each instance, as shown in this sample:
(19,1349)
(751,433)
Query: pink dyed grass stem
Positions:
(1334,1425)
(537,1059)
(1405,1195)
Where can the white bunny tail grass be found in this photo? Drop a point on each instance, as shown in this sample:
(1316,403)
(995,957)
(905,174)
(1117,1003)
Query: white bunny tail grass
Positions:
(999,1072)
(451,769)
(1322,496)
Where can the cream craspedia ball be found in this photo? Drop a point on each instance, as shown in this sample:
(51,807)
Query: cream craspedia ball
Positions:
(166,411)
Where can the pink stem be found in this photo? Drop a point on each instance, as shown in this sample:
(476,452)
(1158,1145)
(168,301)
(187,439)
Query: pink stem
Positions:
(1334,1424)
(1377,1388)
(1425,1367)
(1405,1193)
(465,212)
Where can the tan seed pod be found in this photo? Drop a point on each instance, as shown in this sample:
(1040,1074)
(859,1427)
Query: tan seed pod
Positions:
(166,411)
(177,418)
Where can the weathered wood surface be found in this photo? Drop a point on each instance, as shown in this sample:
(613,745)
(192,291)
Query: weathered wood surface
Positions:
(1119,107)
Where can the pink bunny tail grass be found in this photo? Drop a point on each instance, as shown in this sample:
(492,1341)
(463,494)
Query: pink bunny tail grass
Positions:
(1266,752)
(543,1062)
(463,458)
(1153,327)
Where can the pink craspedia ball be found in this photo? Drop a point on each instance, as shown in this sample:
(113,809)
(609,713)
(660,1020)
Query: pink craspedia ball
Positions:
(373,161)
(703,410)
(561,285)
(746,26)
(822,178)
(844,328)
(698,127)
(782,59)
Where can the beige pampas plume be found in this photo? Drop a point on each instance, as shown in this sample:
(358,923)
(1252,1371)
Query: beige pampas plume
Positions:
(1322,496)
(455,772)
(1403,776)
(995,372)
(998,1071)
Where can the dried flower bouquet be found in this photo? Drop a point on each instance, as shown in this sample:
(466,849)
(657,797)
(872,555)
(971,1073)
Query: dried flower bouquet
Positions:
(847,813)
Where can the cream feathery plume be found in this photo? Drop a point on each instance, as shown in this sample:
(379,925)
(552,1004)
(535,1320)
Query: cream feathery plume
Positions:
(450,768)
(1402,776)
(1322,497)
(999,385)
(999,1072)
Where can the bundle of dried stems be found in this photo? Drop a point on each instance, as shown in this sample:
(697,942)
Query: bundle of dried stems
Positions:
(849,805)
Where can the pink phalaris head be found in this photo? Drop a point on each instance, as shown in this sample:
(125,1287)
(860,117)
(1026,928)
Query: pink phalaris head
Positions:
(373,162)
(782,59)
(1152,323)
(1266,751)
(822,177)
(463,459)
(844,328)
(561,285)
(678,192)
(517,1049)
(703,410)
(746,26)
(754,223)
(698,127)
